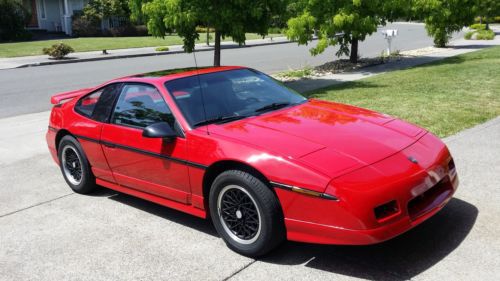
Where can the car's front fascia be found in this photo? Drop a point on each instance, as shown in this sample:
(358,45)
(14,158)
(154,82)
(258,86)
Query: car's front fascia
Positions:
(377,202)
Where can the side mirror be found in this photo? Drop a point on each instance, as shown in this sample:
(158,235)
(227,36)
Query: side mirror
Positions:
(159,130)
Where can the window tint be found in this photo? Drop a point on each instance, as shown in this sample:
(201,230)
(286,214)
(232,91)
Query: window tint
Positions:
(141,105)
(104,106)
(86,105)
(227,93)
(98,104)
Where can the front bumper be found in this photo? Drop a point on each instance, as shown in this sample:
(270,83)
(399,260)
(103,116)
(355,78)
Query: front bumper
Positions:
(311,232)
(416,191)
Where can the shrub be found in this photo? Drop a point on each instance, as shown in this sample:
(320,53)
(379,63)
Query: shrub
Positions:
(58,51)
(485,35)
(468,35)
(274,30)
(83,26)
(477,26)
(480,35)
(13,17)
(496,19)
(127,31)
(162,49)
(141,30)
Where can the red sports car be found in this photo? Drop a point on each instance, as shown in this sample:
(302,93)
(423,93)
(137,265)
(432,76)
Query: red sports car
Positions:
(263,162)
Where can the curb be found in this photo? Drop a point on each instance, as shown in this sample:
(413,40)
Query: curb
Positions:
(148,54)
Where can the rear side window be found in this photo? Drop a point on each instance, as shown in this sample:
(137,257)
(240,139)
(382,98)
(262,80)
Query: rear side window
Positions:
(86,105)
(141,105)
(99,104)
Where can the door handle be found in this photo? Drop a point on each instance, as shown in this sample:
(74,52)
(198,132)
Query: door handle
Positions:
(110,145)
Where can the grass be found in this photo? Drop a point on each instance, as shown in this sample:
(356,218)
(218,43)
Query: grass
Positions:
(297,73)
(32,48)
(445,97)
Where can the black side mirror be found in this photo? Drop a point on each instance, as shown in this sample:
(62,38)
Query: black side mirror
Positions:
(159,130)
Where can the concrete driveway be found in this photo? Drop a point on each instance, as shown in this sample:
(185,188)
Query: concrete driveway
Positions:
(49,233)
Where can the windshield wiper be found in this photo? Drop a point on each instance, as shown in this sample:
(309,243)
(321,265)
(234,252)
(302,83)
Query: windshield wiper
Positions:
(273,106)
(220,120)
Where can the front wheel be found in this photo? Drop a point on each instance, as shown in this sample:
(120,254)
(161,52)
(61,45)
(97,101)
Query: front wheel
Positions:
(246,213)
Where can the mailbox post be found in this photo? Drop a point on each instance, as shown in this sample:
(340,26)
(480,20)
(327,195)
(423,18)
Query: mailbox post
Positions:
(389,34)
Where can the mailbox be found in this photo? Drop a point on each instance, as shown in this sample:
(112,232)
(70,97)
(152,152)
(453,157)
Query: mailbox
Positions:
(389,34)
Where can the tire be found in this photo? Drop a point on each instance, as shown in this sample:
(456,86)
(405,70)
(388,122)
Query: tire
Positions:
(237,201)
(75,166)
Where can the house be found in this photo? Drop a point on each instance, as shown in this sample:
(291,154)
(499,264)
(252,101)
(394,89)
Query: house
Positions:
(52,15)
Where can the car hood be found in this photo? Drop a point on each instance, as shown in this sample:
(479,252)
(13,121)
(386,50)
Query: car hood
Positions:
(329,137)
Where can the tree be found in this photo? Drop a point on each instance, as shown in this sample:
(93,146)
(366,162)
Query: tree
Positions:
(136,14)
(443,17)
(487,9)
(342,22)
(229,18)
(13,17)
(99,9)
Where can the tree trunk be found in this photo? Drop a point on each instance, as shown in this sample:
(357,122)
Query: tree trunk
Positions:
(354,51)
(217,48)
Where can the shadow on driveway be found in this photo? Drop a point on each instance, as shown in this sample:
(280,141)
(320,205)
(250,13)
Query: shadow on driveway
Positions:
(179,217)
(400,258)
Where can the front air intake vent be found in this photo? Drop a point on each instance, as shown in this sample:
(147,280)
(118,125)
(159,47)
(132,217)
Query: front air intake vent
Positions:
(385,211)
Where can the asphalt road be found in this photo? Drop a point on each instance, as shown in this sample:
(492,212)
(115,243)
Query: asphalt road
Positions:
(28,90)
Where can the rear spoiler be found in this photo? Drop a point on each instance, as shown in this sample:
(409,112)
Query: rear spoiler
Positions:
(57,99)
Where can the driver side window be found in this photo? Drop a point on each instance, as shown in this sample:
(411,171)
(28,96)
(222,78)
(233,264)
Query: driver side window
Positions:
(141,105)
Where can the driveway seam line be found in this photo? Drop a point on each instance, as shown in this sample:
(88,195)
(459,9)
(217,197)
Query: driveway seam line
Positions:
(35,205)
(239,270)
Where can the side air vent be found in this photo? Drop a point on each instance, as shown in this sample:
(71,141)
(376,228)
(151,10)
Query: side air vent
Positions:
(386,211)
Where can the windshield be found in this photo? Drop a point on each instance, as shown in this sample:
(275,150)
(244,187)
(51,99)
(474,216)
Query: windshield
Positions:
(229,94)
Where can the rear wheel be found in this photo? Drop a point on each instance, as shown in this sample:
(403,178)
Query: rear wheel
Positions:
(246,213)
(75,166)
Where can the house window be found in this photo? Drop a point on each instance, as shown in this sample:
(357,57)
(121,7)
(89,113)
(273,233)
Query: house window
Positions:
(42,9)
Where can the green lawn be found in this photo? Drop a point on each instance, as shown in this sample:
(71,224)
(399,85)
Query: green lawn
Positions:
(98,43)
(444,97)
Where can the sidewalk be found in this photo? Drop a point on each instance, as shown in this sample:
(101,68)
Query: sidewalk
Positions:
(422,56)
(7,63)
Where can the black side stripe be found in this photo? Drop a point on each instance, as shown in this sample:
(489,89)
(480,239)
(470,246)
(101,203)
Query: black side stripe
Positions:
(87,139)
(52,129)
(145,152)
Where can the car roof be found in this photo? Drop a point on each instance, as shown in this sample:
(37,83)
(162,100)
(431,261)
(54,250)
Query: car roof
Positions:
(175,73)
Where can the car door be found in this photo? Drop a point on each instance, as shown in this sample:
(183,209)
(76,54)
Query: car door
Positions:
(93,110)
(152,165)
